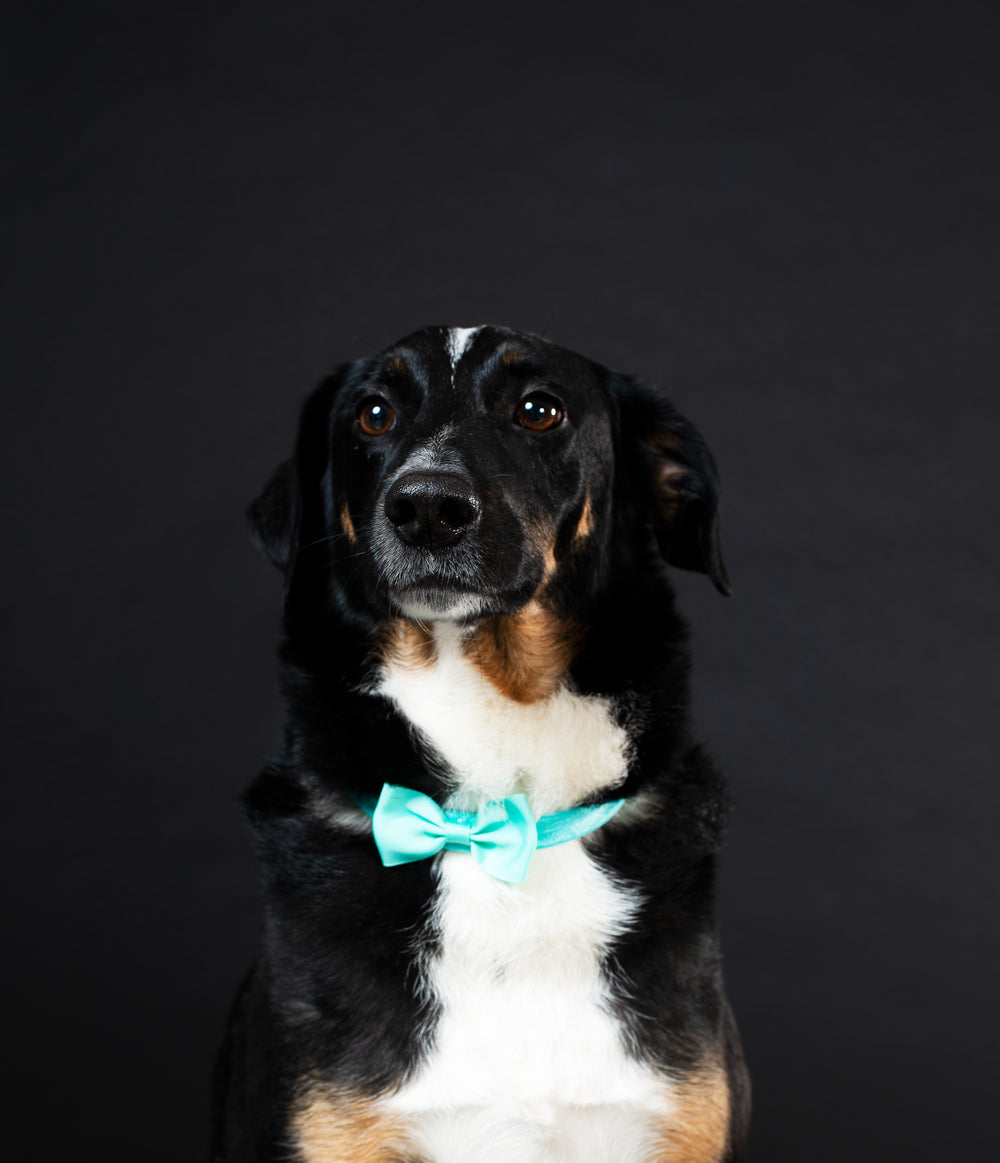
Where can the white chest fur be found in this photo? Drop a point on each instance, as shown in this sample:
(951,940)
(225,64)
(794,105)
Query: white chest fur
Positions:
(527,1062)
(525,1051)
(556,751)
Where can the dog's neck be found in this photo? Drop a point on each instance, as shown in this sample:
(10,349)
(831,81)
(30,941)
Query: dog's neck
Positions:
(526,656)
(528,702)
(493,701)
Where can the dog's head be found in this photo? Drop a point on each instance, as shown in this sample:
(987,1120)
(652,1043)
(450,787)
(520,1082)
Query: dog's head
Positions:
(465,473)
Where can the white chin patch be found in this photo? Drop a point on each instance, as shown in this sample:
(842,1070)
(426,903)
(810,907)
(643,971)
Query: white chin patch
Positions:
(437,605)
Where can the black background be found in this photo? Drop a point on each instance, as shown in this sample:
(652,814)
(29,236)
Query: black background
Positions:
(787,213)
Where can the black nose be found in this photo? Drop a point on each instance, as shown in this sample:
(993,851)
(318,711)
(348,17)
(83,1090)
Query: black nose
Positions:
(433,509)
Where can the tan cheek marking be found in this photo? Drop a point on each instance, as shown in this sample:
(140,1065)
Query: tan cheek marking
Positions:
(347,524)
(698,1131)
(585,526)
(526,655)
(406,644)
(543,541)
(334,1129)
(549,562)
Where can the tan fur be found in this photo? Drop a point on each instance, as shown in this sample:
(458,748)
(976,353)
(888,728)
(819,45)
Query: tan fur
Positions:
(347,524)
(526,655)
(543,541)
(347,1129)
(406,644)
(585,526)
(664,442)
(666,472)
(512,357)
(698,1131)
(550,565)
(397,367)
(665,475)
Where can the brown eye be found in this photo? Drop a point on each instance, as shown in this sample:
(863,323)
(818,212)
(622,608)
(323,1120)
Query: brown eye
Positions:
(540,412)
(375,416)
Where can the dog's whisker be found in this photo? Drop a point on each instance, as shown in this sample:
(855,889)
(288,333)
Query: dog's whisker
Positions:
(331,539)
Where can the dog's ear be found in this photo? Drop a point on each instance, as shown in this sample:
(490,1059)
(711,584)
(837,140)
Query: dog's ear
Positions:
(676,472)
(291,502)
(274,516)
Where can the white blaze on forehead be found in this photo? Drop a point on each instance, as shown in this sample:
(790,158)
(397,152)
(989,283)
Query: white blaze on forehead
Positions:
(459,339)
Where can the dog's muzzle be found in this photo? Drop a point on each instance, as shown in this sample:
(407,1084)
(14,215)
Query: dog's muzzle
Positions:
(441,548)
(432,510)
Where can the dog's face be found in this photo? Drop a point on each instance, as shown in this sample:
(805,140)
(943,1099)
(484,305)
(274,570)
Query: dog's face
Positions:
(463,473)
(469,463)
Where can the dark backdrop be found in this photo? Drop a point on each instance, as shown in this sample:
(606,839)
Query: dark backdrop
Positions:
(787,213)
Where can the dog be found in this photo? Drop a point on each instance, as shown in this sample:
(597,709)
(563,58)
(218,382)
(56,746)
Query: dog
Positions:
(488,838)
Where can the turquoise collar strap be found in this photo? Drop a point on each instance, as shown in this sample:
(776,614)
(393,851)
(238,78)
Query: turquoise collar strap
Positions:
(502,836)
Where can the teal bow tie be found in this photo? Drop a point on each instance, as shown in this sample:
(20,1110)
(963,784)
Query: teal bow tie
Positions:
(502,836)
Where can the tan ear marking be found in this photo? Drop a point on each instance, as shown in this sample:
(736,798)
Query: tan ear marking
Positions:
(663,442)
(665,475)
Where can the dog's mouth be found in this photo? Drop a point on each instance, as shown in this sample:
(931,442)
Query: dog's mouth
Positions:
(432,604)
(447,583)
(442,551)
(455,584)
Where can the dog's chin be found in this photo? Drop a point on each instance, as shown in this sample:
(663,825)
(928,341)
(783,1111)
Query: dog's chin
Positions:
(439,605)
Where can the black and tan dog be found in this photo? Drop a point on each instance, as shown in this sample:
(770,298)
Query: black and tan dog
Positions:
(522,963)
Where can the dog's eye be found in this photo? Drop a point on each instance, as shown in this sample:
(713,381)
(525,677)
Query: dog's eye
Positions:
(540,412)
(375,416)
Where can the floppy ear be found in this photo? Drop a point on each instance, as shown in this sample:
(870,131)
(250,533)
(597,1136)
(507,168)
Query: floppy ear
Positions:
(291,500)
(677,473)
(274,516)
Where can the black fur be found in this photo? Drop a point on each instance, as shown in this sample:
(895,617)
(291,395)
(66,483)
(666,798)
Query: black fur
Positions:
(333,994)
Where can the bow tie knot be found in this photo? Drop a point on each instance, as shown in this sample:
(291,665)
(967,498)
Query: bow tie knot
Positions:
(502,836)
